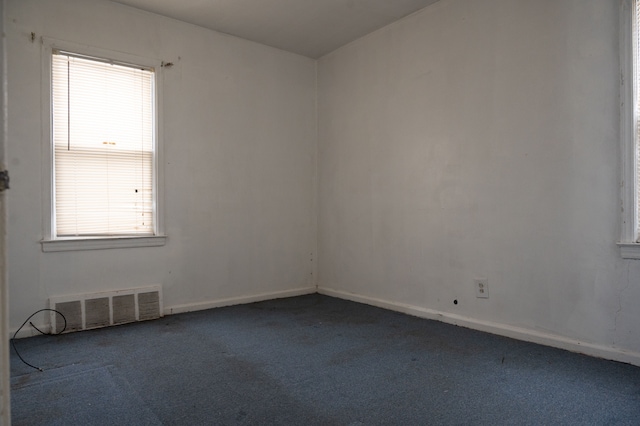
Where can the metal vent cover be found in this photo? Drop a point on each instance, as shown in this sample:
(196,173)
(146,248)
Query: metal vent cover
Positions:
(95,310)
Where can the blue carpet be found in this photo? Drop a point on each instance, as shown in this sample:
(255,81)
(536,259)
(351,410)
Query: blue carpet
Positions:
(313,360)
(77,395)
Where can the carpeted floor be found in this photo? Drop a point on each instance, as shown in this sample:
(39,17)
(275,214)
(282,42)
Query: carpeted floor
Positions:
(311,360)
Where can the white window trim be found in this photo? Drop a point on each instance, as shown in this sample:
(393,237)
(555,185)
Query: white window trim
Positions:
(629,247)
(50,242)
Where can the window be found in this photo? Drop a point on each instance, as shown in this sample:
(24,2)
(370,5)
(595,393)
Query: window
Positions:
(103,153)
(630,128)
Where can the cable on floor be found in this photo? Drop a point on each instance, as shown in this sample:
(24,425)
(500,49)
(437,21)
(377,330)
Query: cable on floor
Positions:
(13,344)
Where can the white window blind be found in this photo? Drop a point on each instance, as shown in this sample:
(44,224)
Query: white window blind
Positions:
(103,142)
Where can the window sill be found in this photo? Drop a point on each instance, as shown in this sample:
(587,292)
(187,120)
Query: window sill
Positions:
(629,250)
(72,244)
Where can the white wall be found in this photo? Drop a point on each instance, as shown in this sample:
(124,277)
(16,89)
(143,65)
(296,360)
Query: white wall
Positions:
(239,147)
(472,139)
(480,139)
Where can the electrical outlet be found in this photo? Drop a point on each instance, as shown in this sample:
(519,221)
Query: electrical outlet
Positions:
(482,288)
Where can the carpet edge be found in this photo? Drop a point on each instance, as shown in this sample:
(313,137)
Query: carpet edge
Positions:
(519,333)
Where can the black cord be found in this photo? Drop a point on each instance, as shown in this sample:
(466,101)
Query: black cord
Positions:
(13,344)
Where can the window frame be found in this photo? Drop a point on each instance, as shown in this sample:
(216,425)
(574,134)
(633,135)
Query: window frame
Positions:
(628,244)
(50,241)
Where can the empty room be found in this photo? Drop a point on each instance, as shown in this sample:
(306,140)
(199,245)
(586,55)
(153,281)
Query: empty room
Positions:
(331,212)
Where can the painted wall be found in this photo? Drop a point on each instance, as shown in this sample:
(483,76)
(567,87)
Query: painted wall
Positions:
(479,139)
(239,147)
(472,139)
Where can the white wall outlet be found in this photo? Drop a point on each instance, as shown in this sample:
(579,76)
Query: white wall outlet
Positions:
(482,288)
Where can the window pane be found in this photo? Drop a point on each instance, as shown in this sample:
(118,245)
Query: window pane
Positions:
(103,147)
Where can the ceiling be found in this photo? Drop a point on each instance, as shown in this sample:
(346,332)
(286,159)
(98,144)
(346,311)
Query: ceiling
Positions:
(311,28)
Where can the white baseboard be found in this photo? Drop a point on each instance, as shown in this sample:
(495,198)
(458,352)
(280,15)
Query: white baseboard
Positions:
(199,306)
(28,331)
(528,335)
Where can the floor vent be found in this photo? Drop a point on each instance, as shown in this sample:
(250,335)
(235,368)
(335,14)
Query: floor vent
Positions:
(95,310)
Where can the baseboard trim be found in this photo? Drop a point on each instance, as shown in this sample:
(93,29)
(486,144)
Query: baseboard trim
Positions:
(519,333)
(28,331)
(528,335)
(199,306)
